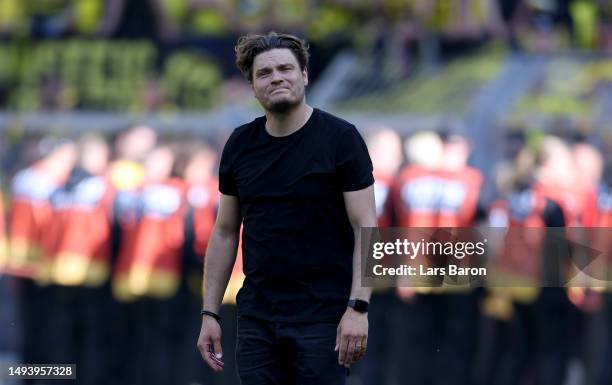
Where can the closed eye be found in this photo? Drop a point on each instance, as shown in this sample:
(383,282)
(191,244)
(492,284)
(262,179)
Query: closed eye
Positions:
(262,73)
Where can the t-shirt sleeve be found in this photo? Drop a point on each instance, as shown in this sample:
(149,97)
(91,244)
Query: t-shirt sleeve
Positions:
(227,179)
(353,163)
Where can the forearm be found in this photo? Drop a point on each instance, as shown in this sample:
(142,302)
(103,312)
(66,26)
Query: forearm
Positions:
(220,259)
(357,290)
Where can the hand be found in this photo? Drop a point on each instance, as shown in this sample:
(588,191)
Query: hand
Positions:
(209,343)
(352,337)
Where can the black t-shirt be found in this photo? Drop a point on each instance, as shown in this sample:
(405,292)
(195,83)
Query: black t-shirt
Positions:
(297,241)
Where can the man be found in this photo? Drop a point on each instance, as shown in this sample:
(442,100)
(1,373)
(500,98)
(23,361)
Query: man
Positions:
(436,190)
(300,182)
(541,197)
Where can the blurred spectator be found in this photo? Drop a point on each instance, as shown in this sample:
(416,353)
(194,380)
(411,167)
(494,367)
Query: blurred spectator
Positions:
(604,242)
(201,18)
(385,148)
(79,266)
(31,210)
(147,274)
(541,323)
(203,200)
(132,147)
(546,16)
(84,204)
(437,190)
(4,250)
(202,195)
(30,220)
(13,19)
(148,262)
(48,18)
(134,19)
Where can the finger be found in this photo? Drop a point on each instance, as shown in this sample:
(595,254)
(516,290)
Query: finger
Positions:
(352,351)
(202,351)
(214,365)
(217,361)
(358,350)
(213,356)
(363,347)
(343,350)
(212,361)
(338,332)
(217,348)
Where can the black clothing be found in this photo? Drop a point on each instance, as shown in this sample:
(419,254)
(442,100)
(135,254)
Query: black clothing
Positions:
(297,240)
(138,20)
(278,353)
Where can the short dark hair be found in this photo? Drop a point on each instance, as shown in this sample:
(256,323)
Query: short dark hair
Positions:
(249,46)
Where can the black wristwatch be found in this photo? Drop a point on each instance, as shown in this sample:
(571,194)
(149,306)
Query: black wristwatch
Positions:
(359,305)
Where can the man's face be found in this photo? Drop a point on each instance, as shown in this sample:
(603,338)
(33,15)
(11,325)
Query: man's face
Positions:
(278,82)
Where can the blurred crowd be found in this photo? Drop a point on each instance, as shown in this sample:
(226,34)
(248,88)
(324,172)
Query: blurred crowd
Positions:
(107,255)
(162,55)
(549,23)
(528,331)
(104,248)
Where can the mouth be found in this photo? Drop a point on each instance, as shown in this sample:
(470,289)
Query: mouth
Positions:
(278,90)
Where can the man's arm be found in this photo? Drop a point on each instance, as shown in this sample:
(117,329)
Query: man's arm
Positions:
(352,336)
(220,258)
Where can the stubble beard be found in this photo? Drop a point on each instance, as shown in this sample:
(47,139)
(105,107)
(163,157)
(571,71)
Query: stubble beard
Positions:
(283,106)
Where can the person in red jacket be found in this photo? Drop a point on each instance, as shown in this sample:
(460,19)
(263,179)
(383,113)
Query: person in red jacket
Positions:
(202,205)
(604,243)
(149,262)
(385,147)
(437,190)
(31,216)
(31,211)
(4,252)
(542,199)
(84,206)
(585,289)
(79,264)
(202,195)
(148,269)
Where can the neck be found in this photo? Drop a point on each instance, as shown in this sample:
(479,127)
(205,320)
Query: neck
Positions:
(288,122)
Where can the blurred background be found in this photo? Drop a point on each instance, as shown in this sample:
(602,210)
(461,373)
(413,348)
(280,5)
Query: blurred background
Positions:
(113,112)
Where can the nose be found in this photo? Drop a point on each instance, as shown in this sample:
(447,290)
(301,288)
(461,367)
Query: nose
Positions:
(276,77)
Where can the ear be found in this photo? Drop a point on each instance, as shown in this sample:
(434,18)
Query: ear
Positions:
(305,76)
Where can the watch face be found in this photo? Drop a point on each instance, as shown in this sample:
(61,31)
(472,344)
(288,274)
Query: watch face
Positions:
(359,305)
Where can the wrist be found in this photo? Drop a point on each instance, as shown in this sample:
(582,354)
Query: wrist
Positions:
(350,311)
(211,314)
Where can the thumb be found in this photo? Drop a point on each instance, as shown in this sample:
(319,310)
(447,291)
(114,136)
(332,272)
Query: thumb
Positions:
(217,346)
